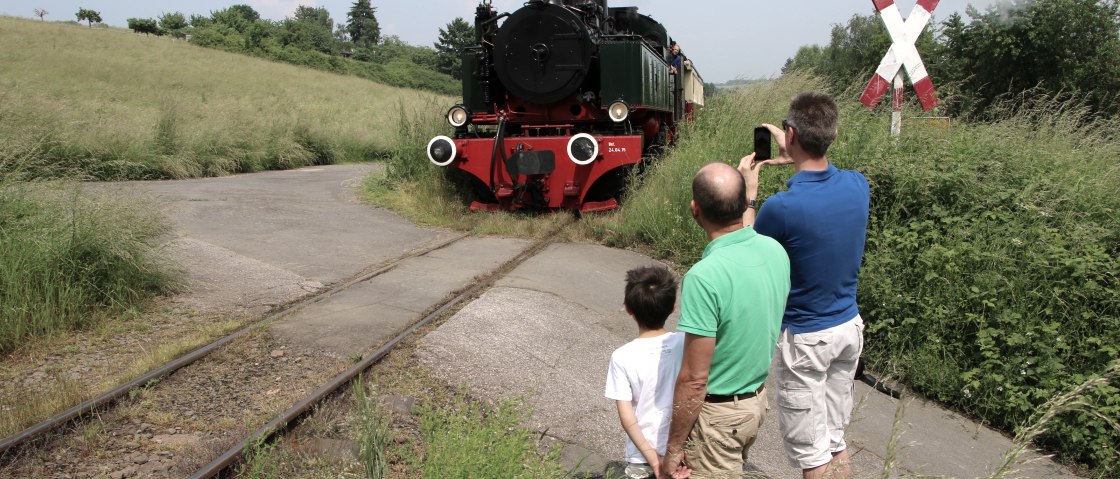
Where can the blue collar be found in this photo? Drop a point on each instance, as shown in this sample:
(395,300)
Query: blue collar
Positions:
(811,176)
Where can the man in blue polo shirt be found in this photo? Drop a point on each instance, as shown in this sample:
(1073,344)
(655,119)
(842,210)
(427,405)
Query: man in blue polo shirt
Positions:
(821,221)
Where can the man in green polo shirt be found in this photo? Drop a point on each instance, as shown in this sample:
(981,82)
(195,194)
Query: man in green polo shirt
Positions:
(732,302)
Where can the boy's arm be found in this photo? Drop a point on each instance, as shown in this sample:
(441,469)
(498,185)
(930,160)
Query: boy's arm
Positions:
(630,424)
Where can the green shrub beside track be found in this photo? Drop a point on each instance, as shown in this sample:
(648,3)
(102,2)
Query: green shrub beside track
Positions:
(67,260)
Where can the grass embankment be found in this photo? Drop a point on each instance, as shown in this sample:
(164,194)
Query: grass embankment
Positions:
(109,104)
(992,269)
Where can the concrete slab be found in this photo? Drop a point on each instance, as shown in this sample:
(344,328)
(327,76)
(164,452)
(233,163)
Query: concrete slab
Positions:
(212,289)
(546,332)
(365,315)
(307,221)
(938,442)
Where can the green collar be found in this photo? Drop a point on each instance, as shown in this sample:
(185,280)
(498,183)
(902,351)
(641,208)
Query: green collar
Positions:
(735,237)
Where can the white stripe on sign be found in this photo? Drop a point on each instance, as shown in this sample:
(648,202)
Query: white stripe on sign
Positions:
(903,52)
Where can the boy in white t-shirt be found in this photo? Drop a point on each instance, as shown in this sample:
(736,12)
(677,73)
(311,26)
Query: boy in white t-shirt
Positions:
(643,372)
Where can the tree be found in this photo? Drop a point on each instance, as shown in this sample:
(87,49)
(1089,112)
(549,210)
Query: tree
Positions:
(237,17)
(362,24)
(88,15)
(1054,46)
(146,26)
(173,23)
(200,21)
(306,35)
(245,12)
(39,12)
(452,40)
(317,15)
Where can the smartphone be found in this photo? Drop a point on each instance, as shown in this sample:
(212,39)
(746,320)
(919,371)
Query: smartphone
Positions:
(761,143)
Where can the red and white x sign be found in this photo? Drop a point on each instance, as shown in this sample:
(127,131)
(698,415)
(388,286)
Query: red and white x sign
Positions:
(902,52)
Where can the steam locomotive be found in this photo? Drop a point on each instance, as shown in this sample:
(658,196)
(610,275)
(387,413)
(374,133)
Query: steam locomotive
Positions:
(560,99)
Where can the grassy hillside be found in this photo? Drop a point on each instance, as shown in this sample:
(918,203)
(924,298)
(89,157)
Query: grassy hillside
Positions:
(110,104)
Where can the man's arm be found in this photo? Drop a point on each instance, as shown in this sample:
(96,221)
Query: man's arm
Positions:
(692,385)
(750,170)
(629,422)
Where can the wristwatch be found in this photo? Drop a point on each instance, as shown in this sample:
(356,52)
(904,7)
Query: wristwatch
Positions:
(752,203)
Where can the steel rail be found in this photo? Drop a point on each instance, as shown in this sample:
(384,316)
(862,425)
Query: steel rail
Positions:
(108,398)
(234,454)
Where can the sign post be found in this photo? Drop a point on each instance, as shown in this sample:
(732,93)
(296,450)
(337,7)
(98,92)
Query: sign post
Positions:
(903,52)
(896,113)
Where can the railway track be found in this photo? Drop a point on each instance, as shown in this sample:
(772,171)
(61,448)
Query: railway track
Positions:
(10,446)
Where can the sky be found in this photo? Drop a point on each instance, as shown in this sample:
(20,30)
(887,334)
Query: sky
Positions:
(726,39)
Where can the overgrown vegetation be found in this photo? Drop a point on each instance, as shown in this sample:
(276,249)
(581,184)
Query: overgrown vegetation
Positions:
(67,259)
(155,108)
(468,439)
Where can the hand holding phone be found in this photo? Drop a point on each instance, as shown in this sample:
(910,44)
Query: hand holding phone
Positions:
(762,142)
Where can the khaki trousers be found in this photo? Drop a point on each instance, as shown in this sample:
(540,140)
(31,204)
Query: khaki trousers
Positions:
(718,443)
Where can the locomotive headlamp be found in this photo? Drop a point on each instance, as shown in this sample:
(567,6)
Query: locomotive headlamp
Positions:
(457,116)
(441,150)
(618,111)
(583,149)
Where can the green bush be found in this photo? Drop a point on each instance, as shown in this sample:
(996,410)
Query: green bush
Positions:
(67,257)
(990,279)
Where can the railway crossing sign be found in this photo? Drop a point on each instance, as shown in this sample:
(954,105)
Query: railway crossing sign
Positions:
(904,33)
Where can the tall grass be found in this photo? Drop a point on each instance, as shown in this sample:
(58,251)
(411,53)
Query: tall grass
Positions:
(108,104)
(468,439)
(374,424)
(992,272)
(67,258)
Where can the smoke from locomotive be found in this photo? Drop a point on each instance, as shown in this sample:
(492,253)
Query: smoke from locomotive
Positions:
(560,99)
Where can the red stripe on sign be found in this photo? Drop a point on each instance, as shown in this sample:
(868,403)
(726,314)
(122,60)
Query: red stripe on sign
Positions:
(881,4)
(926,95)
(929,5)
(874,91)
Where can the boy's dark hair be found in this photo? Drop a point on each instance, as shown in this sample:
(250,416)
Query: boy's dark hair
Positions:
(814,116)
(651,293)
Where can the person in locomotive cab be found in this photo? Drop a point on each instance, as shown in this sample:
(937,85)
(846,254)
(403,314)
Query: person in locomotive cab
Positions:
(676,59)
(821,221)
(731,312)
(642,373)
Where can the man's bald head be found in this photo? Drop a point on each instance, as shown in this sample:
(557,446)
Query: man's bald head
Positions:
(720,193)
